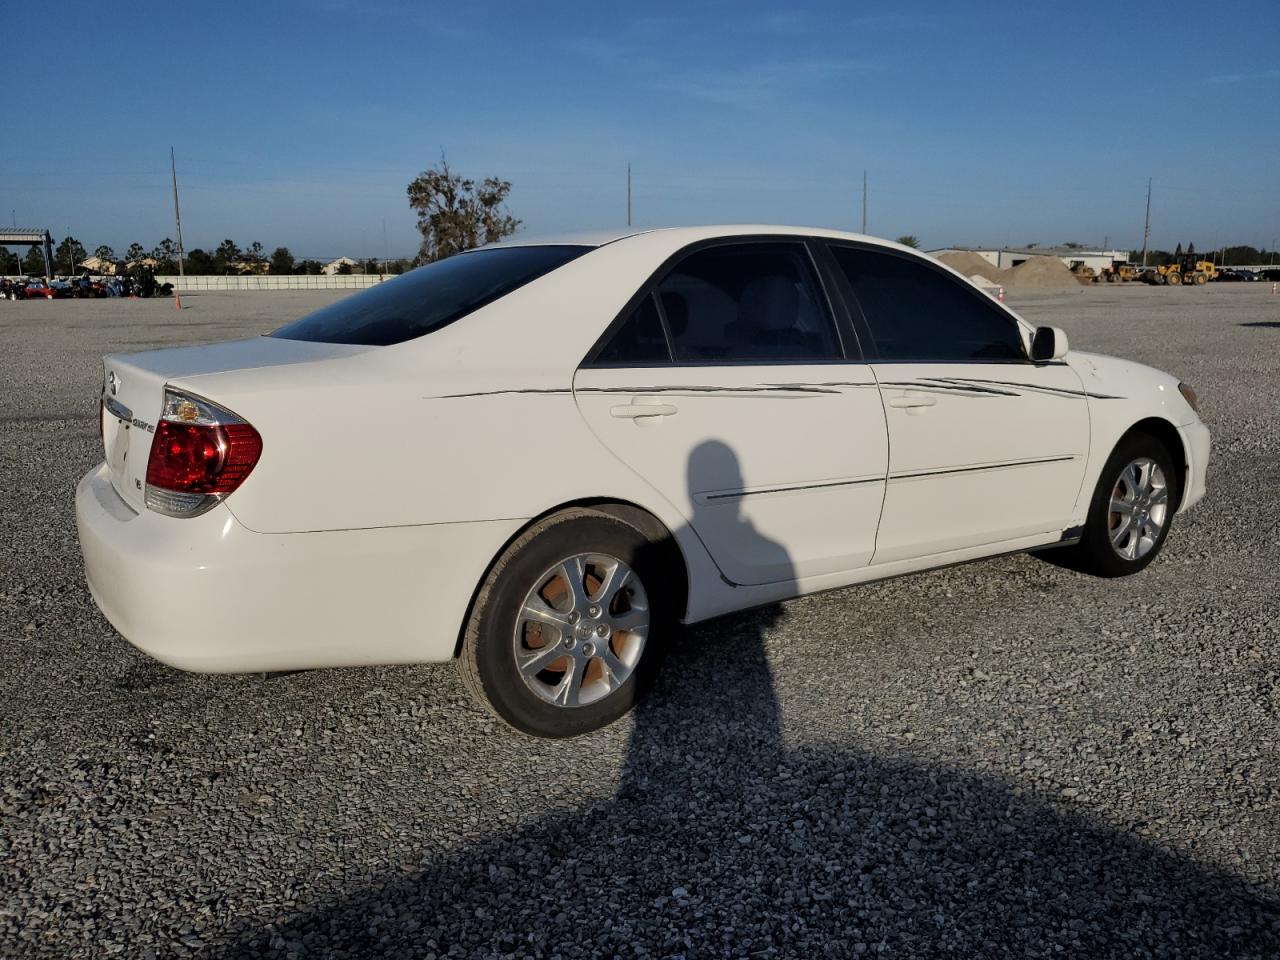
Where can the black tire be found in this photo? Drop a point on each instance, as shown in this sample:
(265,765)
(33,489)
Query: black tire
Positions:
(488,659)
(1094,554)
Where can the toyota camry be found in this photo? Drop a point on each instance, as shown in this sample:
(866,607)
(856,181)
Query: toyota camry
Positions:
(539,457)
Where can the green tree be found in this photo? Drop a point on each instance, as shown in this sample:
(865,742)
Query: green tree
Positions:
(103,252)
(33,264)
(398,267)
(1191,249)
(166,256)
(255,253)
(136,251)
(344,269)
(69,254)
(311,268)
(10,262)
(910,241)
(200,263)
(455,213)
(1178,252)
(225,256)
(1242,256)
(1071,245)
(281,261)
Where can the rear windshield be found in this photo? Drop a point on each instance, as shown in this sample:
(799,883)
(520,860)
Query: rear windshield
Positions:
(428,298)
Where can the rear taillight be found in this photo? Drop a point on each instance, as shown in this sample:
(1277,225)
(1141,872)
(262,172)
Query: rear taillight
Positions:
(200,453)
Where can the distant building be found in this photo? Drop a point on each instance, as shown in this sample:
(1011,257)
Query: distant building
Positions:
(1005,257)
(243,267)
(332,267)
(99,266)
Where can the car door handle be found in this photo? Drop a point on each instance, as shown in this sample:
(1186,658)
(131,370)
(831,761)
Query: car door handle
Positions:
(912,400)
(639,409)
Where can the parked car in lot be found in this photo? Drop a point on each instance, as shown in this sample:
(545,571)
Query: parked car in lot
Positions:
(41,290)
(538,457)
(1234,275)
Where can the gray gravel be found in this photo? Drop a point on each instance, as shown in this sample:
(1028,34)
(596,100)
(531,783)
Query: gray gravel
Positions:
(994,760)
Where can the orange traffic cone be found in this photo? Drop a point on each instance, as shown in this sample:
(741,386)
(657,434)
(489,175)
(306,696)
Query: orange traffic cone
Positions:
(177,300)
(1001,297)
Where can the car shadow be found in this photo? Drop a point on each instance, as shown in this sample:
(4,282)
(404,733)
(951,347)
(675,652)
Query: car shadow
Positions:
(720,840)
(1262,323)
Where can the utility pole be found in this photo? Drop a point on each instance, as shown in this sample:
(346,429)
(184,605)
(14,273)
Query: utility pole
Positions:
(864,201)
(384,244)
(177,217)
(1146,228)
(628,194)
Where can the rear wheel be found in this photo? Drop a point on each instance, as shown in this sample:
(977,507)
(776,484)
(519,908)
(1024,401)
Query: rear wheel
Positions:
(1130,514)
(568,629)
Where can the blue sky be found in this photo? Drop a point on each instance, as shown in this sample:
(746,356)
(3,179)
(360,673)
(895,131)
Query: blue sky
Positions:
(981,123)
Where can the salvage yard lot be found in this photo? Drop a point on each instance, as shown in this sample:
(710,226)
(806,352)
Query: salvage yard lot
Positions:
(999,758)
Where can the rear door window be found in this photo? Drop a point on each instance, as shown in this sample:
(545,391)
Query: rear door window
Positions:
(748,302)
(429,297)
(639,341)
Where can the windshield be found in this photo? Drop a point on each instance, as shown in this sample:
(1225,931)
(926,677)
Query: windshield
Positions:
(429,297)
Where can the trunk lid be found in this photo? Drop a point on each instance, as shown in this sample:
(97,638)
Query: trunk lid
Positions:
(133,394)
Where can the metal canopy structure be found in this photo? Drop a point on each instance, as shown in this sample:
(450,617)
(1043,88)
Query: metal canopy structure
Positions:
(31,237)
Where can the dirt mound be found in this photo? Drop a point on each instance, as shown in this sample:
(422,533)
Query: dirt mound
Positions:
(1042,272)
(969,264)
(1045,272)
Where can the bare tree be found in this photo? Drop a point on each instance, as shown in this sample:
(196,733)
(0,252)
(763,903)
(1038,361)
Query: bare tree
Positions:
(456,214)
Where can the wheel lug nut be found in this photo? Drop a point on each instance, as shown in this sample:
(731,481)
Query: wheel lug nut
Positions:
(602,630)
(589,649)
(593,611)
(574,616)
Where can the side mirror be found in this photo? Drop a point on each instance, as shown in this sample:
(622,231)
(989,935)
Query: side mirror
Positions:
(1048,343)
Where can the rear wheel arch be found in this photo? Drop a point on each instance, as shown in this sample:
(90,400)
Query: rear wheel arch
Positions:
(1167,434)
(629,513)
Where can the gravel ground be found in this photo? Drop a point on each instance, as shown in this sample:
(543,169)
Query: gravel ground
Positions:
(993,760)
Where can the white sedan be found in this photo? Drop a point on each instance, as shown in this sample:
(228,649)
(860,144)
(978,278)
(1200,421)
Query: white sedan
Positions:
(538,457)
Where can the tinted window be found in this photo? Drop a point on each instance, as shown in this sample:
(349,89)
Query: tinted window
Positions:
(639,340)
(428,298)
(747,302)
(918,313)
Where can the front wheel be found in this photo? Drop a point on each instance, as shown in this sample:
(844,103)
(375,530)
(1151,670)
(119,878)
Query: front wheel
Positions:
(567,631)
(1130,514)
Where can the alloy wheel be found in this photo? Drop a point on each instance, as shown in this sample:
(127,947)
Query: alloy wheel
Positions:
(581,630)
(1139,509)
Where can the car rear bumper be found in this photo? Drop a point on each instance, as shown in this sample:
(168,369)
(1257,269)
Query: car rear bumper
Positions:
(1195,440)
(208,594)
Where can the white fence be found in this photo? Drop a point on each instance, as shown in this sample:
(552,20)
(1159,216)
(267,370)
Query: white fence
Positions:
(354,281)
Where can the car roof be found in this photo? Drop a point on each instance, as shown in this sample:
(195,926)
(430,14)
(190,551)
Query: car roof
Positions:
(679,236)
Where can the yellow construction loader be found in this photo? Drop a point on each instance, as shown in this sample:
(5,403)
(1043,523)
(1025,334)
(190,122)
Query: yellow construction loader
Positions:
(1188,270)
(1120,270)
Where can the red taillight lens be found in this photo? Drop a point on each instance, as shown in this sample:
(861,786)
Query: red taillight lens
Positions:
(200,458)
(200,453)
